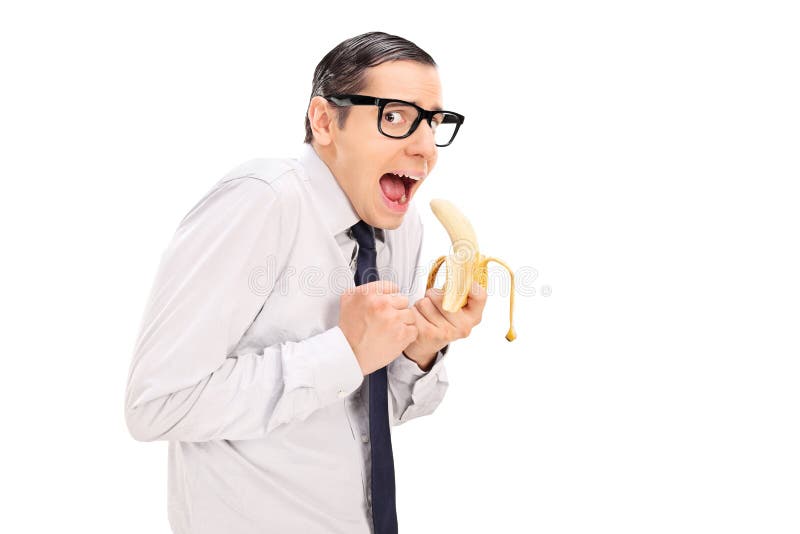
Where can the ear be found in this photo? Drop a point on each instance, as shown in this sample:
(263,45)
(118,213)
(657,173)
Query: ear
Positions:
(322,118)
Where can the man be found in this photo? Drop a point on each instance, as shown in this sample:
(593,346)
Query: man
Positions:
(266,315)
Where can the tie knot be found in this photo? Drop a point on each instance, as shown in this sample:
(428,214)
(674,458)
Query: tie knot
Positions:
(364,234)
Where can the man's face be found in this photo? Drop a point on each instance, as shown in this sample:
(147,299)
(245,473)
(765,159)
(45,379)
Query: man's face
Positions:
(361,155)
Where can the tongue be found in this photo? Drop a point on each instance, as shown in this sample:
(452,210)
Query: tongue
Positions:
(392,186)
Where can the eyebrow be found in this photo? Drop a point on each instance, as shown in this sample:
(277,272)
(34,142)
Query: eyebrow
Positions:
(436,108)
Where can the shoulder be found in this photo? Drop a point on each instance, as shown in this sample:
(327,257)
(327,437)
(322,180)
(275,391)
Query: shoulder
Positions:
(277,178)
(280,174)
(267,170)
(259,187)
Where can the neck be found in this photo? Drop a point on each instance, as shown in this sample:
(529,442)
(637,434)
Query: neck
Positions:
(328,155)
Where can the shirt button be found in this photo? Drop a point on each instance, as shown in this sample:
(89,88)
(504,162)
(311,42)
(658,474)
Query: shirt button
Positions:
(342,393)
(365,438)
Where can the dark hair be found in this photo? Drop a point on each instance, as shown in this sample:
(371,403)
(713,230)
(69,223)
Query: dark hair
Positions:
(342,70)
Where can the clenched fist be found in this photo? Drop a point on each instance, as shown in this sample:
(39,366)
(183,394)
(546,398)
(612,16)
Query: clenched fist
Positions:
(377,323)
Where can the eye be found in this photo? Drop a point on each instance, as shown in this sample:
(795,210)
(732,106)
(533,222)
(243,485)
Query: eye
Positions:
(393,117)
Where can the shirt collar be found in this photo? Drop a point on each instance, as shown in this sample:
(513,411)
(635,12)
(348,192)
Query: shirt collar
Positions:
(337,211)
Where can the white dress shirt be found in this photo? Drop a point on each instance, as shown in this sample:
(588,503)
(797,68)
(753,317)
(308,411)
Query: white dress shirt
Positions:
(241,365)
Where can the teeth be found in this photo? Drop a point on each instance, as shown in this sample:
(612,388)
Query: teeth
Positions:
(403,199)
(415,178)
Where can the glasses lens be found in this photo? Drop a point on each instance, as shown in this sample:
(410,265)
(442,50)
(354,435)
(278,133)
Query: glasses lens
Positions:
(398,118)
(444,127)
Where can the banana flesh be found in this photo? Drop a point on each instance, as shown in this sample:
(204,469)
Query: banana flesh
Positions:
(465,263)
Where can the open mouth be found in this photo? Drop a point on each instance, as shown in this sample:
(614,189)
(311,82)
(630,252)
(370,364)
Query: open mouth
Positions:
(398,190)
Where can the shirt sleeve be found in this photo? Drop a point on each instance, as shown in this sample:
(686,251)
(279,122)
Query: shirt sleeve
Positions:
(414,392)
(185,383)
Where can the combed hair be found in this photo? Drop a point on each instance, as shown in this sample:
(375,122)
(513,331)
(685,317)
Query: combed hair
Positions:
(343,69)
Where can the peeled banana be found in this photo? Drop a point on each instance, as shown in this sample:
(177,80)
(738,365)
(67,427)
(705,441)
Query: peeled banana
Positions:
(465,263)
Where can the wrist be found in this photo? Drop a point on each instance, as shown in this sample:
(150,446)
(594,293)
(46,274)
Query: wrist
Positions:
(425,363)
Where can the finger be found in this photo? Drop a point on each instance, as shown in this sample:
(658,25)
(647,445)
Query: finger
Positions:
(399,302)
(407,316)
(420,320)
(430,312)
(436,297)
(379,287)
(476,303)
(476,298)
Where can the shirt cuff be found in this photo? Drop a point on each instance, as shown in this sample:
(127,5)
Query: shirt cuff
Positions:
(336,370)
(407,369)
(415,392)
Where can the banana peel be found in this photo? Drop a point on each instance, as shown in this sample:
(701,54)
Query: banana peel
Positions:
(465,264)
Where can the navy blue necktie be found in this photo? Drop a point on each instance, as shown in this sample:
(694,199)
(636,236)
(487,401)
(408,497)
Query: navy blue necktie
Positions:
(384,513)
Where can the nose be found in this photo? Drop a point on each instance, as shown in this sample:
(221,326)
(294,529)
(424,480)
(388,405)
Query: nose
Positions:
(422,142)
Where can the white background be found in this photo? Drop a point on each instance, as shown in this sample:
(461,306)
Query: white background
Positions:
(642,157)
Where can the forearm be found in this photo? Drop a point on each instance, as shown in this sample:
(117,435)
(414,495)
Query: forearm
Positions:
(247,395)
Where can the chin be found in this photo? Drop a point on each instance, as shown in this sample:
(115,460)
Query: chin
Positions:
(386,221)
(391,224)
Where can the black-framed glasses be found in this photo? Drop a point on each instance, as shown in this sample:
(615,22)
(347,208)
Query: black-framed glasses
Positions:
(398,119)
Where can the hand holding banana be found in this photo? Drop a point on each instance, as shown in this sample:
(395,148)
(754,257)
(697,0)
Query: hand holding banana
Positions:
(445,315)
(466,264)
(437,327)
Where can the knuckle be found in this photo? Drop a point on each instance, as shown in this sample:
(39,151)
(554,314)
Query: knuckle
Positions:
(460,331)
(448,332)
(376,304)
